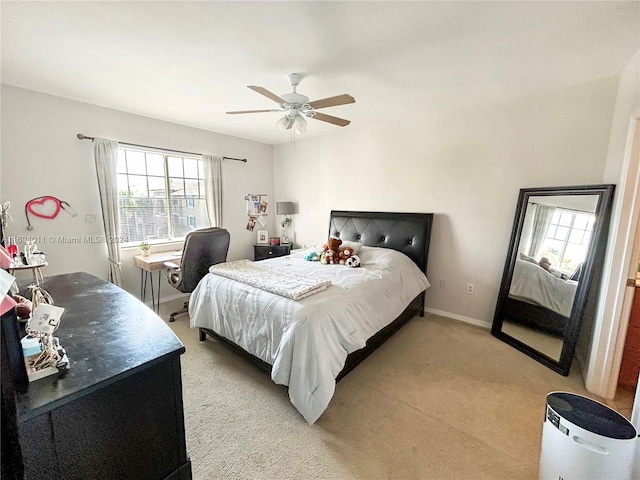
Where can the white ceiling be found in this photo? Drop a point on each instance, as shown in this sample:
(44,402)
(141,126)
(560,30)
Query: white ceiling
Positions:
(190,62)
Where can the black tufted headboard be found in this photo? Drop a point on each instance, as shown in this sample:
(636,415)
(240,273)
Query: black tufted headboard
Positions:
(408,233)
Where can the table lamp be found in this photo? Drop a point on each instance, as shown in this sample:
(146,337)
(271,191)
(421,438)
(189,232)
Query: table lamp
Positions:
(285,208)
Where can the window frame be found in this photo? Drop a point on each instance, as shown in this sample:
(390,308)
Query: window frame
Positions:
(167,197)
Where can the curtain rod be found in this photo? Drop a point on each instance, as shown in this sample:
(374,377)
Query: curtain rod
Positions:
(84,137)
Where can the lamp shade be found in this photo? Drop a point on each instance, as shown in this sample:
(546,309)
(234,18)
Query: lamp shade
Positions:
(283,123)
(284,208)
(300,124)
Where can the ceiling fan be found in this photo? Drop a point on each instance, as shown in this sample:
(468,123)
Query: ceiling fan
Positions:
(296,106)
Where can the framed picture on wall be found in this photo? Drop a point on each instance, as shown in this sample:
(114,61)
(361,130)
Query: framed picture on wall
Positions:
(263,236)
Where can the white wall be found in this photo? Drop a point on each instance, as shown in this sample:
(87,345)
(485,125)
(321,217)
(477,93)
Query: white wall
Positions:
(465,166)
(42,156)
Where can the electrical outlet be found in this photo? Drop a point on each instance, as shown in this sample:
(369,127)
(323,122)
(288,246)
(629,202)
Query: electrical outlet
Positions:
(89,218)
(470,288)
(443,284)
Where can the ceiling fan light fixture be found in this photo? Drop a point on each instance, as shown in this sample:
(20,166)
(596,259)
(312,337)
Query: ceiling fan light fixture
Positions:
(300,124)
(283,123)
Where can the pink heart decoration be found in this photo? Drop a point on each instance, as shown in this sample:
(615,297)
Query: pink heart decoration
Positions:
(45,207)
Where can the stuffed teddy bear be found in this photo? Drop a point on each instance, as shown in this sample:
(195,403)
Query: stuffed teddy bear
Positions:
(331,249)
(344,254)
(332,244)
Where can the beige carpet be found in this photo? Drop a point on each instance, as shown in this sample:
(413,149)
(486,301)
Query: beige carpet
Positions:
(440,400)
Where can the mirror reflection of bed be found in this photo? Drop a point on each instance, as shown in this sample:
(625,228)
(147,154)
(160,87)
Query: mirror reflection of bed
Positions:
(545,286)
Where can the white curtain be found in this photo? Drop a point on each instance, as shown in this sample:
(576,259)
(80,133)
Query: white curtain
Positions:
(541,222)
(105,153)
(213,188)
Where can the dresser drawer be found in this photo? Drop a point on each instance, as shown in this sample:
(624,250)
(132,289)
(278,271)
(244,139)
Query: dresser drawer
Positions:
(262,252)
(634,318)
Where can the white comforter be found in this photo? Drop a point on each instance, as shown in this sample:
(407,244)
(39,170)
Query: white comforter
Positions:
(307,341)
(534,284)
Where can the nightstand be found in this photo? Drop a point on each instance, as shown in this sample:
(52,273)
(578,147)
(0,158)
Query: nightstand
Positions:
(261,252)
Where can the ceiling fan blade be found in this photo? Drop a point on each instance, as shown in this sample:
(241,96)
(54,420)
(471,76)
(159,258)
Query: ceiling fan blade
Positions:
(252,111)
(330,119)
(290,123)
(332,101)
(266,93)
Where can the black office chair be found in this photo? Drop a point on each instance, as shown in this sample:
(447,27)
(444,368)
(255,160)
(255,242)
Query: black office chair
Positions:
(202,248)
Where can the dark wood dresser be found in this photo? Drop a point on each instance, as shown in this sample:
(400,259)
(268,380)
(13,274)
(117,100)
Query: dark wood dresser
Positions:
(262,252)
(118,412)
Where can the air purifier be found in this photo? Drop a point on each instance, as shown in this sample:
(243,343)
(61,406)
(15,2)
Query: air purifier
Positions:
(585,440)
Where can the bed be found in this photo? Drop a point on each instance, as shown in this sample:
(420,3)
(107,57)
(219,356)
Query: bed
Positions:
(310,344)
(540,299)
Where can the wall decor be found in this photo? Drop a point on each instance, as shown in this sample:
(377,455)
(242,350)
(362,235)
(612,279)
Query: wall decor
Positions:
(263,236)
(46,207)
(257,205)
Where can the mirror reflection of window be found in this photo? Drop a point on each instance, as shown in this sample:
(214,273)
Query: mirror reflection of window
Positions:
(567,240)
(559,229)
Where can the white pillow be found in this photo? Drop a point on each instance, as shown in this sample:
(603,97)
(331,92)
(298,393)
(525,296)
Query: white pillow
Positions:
(354,245)
(528,258)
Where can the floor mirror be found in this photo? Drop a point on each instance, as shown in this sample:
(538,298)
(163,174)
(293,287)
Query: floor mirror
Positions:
(552,271)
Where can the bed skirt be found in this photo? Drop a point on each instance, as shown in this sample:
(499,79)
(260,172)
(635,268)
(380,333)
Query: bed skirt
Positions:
(416,307)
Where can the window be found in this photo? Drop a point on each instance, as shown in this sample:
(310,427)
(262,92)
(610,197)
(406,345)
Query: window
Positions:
(567,239)
(161,195)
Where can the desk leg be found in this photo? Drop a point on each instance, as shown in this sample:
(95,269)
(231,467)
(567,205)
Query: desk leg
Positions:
(159,282)
(146,278)
(153,298)
(143,285)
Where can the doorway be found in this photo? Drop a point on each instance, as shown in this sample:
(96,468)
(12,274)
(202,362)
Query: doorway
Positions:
(628,355)
(630,363)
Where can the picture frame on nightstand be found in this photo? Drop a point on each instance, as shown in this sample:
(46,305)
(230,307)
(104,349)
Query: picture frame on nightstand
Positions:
(263,237)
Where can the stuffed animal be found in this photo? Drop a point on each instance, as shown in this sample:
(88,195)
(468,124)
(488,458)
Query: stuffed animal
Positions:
(323,258)
(331,256)
(23,307)
(332,244)
(312,256)
(344,254)
(353,261)
(332,250)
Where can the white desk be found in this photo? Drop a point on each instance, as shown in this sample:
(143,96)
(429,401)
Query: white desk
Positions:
(148,265)
(35,270)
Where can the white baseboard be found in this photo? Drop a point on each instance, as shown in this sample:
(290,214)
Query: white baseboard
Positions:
(462,318)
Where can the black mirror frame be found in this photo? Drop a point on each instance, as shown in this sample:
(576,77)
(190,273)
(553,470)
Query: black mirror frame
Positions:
(586,293)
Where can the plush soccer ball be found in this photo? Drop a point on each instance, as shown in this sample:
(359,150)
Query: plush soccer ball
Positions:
(353,261)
